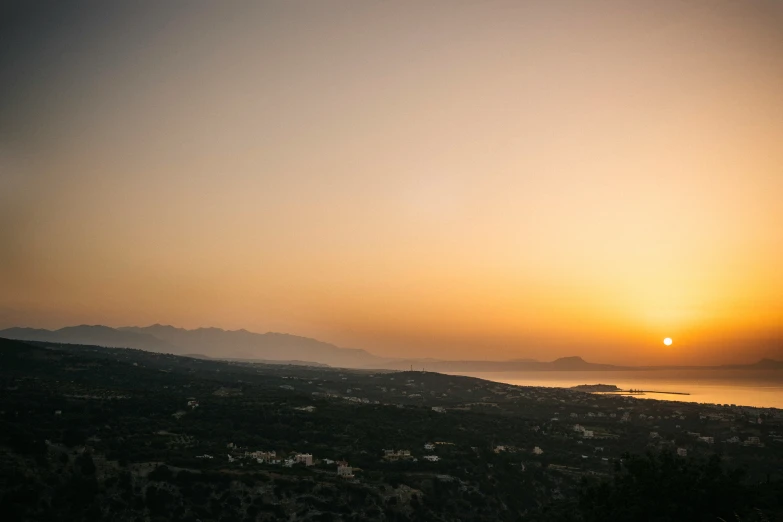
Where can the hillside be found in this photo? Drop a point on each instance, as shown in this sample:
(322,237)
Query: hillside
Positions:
(94,433)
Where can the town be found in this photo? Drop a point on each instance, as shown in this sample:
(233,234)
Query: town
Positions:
(412,443)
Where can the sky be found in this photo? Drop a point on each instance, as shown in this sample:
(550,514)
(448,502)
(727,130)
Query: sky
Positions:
(461,179)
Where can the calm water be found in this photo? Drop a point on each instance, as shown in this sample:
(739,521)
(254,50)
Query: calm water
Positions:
(745,388)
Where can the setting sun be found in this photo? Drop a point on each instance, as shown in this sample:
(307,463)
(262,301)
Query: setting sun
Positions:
(426,185)
(453,228)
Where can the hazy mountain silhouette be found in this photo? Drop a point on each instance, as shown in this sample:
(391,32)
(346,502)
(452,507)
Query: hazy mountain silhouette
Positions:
(93,335)
(242,344)
(210,342)
(577,363)
(514,365)
(763,364)
(574,363)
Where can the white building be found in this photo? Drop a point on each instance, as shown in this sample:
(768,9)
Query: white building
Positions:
(431,458)
(262,456)
(395,455)
(588,434)
(682,452)
(438,409)
(537,450)
(304,458)
(578,427)
(429,446)
(344,470)
(708,440)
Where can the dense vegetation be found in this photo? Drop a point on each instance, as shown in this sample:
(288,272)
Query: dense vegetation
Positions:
(91,433)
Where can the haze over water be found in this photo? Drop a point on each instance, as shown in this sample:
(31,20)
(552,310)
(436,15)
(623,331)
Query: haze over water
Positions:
(740,387)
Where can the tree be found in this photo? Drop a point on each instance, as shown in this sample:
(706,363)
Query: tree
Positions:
(663,487)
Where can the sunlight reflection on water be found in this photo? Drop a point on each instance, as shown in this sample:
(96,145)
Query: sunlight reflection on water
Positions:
(740,387)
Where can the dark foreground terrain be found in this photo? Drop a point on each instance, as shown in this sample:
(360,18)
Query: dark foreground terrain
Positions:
(91,433)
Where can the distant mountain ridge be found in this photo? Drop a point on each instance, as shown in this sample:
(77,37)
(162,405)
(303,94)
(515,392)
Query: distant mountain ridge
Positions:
(280,348)
(573,363)
(763,364)
(242,344)
(93,335)
(210,342)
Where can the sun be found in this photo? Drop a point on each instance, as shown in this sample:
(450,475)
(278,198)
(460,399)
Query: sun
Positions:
(667,341)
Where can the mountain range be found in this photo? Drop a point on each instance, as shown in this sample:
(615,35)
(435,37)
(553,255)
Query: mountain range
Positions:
(281,348)
(209,342)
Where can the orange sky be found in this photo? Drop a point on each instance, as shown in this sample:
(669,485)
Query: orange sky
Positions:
(464,179)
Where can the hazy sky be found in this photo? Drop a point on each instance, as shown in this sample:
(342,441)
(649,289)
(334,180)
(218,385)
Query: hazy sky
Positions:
(458,179)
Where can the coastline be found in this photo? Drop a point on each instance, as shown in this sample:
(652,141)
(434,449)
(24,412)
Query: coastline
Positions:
(719,388)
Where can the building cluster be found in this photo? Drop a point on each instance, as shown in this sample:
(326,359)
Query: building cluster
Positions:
(271,457)
(600,424)
(390,454)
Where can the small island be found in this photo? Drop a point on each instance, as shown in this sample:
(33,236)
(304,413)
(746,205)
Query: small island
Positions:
(593,388)
(611,388)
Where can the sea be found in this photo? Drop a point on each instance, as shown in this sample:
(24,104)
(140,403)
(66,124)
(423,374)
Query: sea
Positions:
(756,388)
